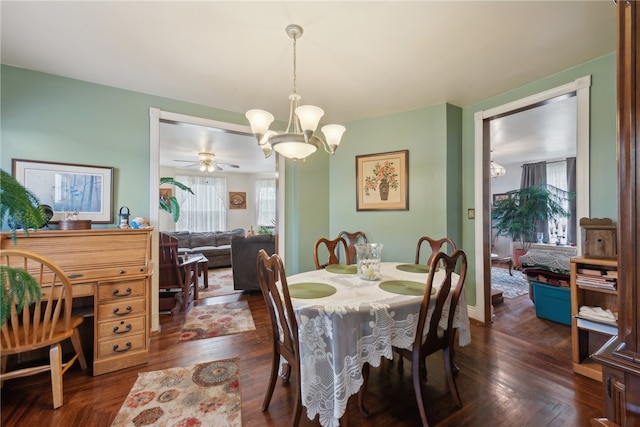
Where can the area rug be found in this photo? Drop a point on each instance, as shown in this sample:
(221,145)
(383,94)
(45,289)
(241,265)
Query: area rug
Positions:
(206,394)
(220,283)
(511,286)
(208,321)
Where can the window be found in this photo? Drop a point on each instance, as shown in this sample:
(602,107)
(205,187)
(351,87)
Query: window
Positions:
(266,203)
(557,176)
(206,209)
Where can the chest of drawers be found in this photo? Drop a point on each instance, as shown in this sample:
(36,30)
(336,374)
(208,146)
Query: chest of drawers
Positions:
(113,267)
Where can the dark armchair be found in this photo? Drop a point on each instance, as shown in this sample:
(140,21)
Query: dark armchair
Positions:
(244,257)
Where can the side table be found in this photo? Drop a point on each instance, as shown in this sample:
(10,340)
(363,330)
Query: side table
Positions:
(202,267)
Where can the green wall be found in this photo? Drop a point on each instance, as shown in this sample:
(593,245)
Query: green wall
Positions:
(52,118)
(603,162)
(433,137)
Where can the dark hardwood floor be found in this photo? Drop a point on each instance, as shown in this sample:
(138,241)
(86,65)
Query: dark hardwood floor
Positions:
(516,372)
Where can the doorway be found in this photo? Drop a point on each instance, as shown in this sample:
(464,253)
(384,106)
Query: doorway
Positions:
(156,117)
(580,87)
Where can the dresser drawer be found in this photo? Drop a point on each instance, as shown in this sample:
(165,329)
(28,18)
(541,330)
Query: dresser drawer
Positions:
(121,309)
(121,346)
(116,290)
(121,327)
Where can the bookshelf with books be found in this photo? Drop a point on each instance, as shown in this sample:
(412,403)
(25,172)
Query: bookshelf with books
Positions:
(594,310)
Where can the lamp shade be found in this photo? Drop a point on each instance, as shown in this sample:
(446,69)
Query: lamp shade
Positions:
(309,116)
(259,120)
(294,149)
(333,134)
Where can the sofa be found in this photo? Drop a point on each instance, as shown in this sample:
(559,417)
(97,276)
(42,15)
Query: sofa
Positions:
(215,245)
(244,256)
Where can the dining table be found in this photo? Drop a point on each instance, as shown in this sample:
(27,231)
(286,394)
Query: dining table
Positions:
(345,322)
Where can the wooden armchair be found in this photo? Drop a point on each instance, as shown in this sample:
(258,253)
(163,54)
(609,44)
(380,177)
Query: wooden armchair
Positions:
(436,246)
(436,338)
(43,325)
(178,280)
(332,247)
(352,239)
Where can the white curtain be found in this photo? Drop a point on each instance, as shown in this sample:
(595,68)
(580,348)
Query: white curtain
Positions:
(557,176)
(206,209)
(265,202)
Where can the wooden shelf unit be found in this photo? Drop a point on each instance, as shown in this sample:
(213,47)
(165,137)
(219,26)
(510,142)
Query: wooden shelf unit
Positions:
(588,331)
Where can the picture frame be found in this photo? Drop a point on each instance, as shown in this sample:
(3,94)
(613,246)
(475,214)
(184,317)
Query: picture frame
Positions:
(68,187)
(166,194)
(382,181)
(237,200)
(499,196)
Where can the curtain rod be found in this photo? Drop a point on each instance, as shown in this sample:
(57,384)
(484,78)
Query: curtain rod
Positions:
(555,161)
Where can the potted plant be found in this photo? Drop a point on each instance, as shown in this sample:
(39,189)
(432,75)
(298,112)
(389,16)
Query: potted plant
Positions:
(170,204)
(517,214)
(18,206)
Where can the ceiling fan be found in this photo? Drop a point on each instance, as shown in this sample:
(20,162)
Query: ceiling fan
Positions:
(207,163)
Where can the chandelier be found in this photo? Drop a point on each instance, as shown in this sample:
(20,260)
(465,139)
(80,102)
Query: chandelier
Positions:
(207,163)
(496,170)
(300,139)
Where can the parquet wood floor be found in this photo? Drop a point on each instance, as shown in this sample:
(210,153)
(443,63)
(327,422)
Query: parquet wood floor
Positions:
(516,372)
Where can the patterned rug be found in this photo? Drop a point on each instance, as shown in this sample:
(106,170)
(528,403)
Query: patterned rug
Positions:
(206,394)
(511,286)
(220,283)
(208,321)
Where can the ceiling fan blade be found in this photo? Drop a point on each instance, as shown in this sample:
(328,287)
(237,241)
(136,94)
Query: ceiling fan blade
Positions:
(228,164)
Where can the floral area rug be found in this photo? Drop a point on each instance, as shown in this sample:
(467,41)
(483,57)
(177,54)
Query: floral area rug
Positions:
(208,321)
(511,286)
(206,394)
(220,283)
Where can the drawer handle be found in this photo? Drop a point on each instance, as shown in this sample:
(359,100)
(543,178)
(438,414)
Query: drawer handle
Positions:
(116,293)
(116,329)
(121,272)
(116,348)
(116,311)
(75,276)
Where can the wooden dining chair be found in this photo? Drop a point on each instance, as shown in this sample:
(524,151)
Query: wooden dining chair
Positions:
(46,324)
(333,249)
(436,338)
(436,246)
(352,239)
(178,279)
(284,327)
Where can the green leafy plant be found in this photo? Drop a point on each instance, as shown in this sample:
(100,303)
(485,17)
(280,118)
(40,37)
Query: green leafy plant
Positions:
(18,205)
(518,213)
(264,230)
(170,204)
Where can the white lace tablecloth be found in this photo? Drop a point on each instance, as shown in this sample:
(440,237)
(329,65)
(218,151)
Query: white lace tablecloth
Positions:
(356,325)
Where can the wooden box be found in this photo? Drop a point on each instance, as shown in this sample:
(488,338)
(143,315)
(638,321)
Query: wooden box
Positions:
(74,224)
(598,238)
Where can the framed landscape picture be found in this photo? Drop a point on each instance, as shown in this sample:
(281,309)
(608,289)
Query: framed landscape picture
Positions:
(67,187)
(382,181)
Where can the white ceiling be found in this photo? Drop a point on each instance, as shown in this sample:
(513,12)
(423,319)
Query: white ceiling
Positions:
(355,59)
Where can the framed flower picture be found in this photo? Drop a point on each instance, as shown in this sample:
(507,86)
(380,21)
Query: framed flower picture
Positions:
(382,181)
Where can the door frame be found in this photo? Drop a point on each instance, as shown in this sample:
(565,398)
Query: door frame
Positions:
(483,310)
(156,115)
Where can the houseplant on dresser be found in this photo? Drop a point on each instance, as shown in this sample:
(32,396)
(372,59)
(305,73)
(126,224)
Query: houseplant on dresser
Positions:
(518,214)
(18,207)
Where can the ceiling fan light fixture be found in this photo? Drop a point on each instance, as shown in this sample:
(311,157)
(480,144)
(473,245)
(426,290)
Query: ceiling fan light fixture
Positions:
(299,140)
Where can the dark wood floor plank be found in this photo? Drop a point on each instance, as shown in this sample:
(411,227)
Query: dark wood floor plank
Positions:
(516,371)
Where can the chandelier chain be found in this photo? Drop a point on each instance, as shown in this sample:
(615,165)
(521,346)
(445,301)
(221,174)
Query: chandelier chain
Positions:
(295,39)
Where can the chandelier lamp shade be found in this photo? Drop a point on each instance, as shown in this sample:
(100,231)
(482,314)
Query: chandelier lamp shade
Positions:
(496,170)
(300,139)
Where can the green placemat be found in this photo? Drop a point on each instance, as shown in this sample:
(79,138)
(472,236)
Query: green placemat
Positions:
(342,269)
(404,287)
(311,290)
(413,268)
